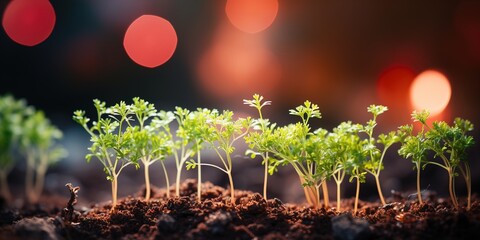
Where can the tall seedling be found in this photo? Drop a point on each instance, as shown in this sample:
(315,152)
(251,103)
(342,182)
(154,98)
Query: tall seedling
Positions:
(342,146)
(375,162)
(12,115)
(38,145)
(449,143)
(221,135)
(195,128)
(261,138)
(413,147)
(290,146)
(149,141)
(109,144)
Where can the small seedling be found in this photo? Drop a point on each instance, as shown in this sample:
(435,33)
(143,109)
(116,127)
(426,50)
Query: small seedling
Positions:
(449,143)
(109,145)
(12,116)
(149,142)
(38,145)
(261,138)
(221,134)
(375,163)
(290,146)
(342,146)
(413,148)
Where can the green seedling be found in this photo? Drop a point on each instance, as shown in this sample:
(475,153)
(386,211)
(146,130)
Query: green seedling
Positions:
(149,141)
(290,145)
(374,165)
(413,147)
(195,127)
(109,144)
(449,144)
(342,146)
(38,145)
(12,115)
(221,135)
(261,138)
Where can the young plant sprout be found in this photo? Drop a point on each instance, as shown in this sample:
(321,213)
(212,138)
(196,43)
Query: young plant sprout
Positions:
(342,146)
(414,147)
(181,148)
(222,133)
(290,146)
(38,144)
(259,140)
(109,145)
(195,127)
(449,143)
(12,115)
(375,163)
(356,168)
(149,143)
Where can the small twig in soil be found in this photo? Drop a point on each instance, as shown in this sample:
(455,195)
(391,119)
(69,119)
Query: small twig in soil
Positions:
(68,212)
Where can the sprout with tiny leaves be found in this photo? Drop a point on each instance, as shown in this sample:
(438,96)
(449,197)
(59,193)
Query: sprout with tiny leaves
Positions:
(38,143)
(109,143)
(413,147)
(342,146)
(449,144)
(148,140)
(374,165)
(13,113)
(291,146)
(260,139)
(221,134)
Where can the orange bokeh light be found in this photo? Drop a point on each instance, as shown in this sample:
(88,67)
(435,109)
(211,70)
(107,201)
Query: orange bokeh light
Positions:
(150,41)
(251,16)
(235,66)
(430,90)
(29,22)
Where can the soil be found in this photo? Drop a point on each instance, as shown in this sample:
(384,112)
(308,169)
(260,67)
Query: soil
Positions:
(250,218)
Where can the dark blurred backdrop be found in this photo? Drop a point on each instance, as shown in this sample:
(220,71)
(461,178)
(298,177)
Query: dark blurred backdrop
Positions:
(343,55)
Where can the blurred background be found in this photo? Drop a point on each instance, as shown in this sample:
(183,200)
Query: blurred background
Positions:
(342,55)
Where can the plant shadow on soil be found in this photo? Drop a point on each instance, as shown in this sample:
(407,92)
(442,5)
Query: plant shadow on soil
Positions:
(250,218)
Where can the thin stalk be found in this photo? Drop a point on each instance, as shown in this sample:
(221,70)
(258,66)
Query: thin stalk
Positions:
(356,197)
(40,179)
(4,184)
(199,183)
(450,189)
(326,199)
(377,180)
(338,195)
(468,181)
(177,183)
(167,181)
(29,178)
(232,189)
(147,181)
(265,177)
(419,193)
(114,191)
(377,176)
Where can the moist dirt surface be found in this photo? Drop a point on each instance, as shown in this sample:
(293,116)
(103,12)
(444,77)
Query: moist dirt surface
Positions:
(251,217)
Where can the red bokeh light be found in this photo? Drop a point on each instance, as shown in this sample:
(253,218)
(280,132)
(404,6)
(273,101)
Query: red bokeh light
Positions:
(251,16)
(430,90)
(393,85)
(150,41)
(29,22)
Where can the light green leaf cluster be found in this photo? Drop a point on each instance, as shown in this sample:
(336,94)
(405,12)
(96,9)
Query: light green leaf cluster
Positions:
(449,144)
(126,134)
(30,132)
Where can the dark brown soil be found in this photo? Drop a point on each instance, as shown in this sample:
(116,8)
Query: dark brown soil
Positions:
(250,218)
